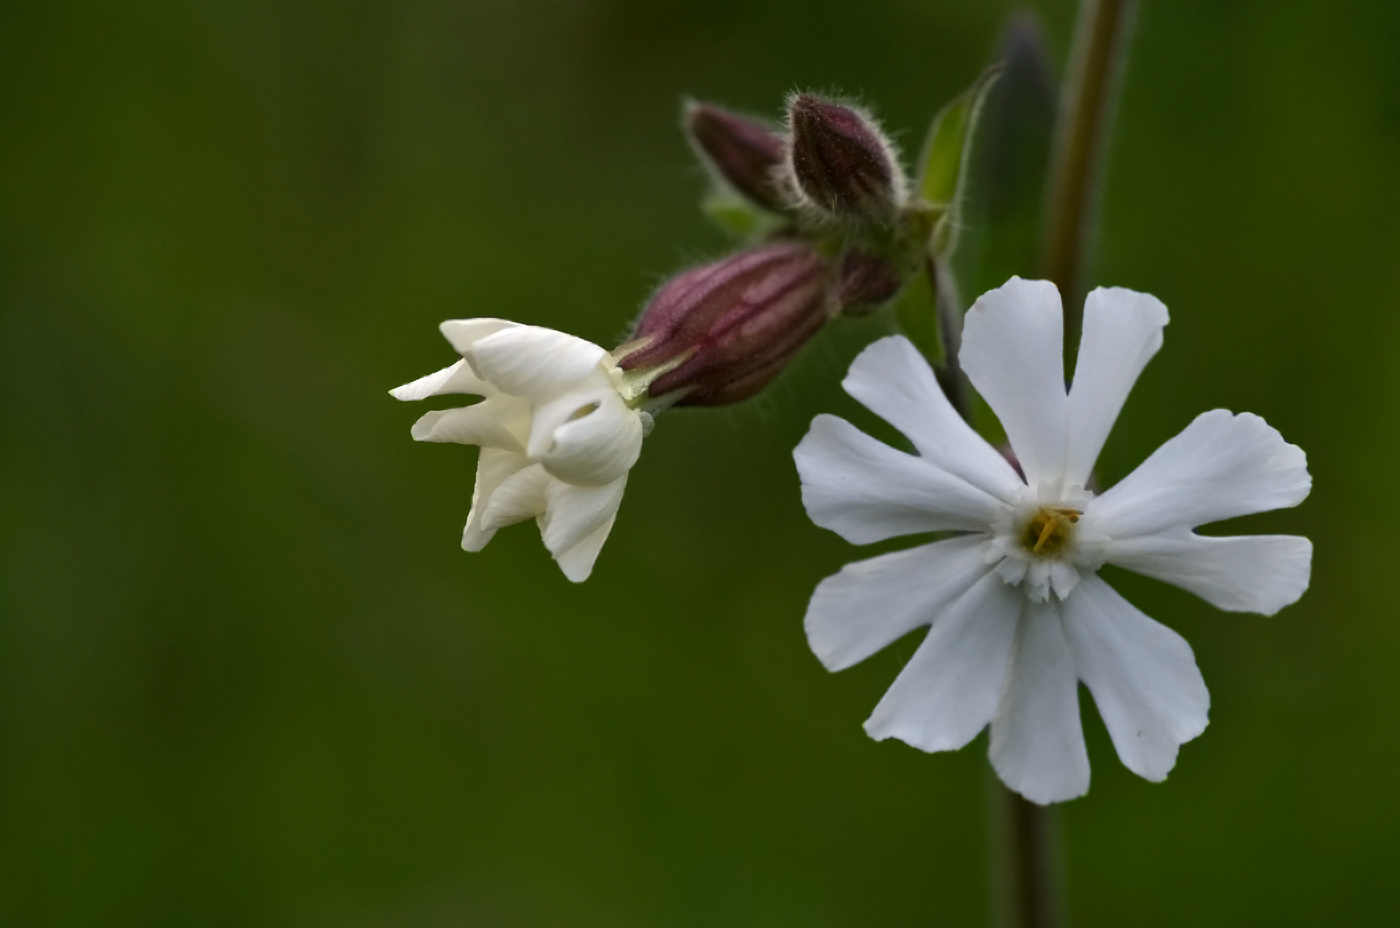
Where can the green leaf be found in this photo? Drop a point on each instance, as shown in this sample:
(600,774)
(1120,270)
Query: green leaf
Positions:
(946,158)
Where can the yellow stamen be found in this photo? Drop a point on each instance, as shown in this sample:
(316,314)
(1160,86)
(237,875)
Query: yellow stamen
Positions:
(1048,531)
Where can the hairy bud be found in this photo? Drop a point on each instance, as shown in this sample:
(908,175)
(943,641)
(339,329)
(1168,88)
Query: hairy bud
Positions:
(743,153)
(865,281)
(842,161)
(728,328)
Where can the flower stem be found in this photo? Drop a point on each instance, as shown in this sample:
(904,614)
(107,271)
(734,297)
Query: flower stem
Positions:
(948,307)
(1090,91)
(1027,892)
(1029,887)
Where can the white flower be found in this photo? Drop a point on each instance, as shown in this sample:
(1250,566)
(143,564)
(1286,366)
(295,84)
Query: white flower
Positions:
(1017,614)
(557,437)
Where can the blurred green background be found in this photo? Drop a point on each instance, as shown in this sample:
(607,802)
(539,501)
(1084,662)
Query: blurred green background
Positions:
(248,678)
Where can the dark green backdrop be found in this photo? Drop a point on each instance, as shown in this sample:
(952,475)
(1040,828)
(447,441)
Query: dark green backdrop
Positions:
(248,678)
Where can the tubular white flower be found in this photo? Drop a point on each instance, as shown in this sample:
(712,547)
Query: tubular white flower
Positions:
(557,437)
(1017,615)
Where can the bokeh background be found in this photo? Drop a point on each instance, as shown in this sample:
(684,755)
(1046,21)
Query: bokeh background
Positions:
(248,678)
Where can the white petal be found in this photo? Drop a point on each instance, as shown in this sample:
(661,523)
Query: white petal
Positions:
(894,381)
(519,497)
(586,437)
(1142,674)
(948,691)
(455,379)
(534,362)
(464,333)
(1037,740)
(577,562)
(1122,331)
(1220,466)
(573,513)
(1242,573)
(493,467)
(865,491)
(1012,352)
(869,604)
(499,422)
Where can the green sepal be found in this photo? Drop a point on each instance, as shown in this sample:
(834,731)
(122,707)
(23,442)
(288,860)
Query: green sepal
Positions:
(946,159)
(737,216)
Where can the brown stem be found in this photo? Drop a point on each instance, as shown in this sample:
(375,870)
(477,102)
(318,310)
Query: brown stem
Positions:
(1096,62)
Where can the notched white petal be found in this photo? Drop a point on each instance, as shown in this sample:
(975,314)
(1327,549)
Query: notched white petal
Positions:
(1142,675)
(499,422)
(573,513)
(1241,573)
(588,438)
(1220,466)
(870,604)
(892,379)
(577,562)
(866,491)
(521,496)
(535,362)
(457,378)
(464,333)
(492,469)
(949,690)
(1122,331)
(1037,740)
(1011,351)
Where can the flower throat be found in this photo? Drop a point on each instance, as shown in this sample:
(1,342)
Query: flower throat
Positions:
(1049,530)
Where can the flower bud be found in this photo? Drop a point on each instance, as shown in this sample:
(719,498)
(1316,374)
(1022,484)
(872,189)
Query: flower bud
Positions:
(743,153)
(842,161)
(728,328)
(865,281)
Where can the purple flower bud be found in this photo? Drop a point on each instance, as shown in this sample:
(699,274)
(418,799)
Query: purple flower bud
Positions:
(842,161)
(865,281)
(731,326)
(744,153)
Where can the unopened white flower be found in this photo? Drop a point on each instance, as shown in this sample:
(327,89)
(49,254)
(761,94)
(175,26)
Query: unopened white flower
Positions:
(557,436)
(1017,614)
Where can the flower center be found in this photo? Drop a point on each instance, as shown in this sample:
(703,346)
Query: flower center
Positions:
(1049,530)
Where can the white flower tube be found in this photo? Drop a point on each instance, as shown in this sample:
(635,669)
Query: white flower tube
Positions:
(557,437)
(1016,612)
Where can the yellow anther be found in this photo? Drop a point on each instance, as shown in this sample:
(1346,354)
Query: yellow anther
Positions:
(1048,530)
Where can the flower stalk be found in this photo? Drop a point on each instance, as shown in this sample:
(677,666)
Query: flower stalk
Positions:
(1086,109)
(1029,884)
(1028,891)
(949,311)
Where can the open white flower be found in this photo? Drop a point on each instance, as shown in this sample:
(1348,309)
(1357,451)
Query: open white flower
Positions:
(1017,614)
(557,437)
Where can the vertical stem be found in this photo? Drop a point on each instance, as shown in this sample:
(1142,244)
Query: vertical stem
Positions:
(1096,62)
(1030,888)
(1027,894)
(948,307)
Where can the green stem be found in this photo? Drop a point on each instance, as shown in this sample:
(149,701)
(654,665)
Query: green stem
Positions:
(1096,63)
(1030,887)
(1028,892)
(948,307)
